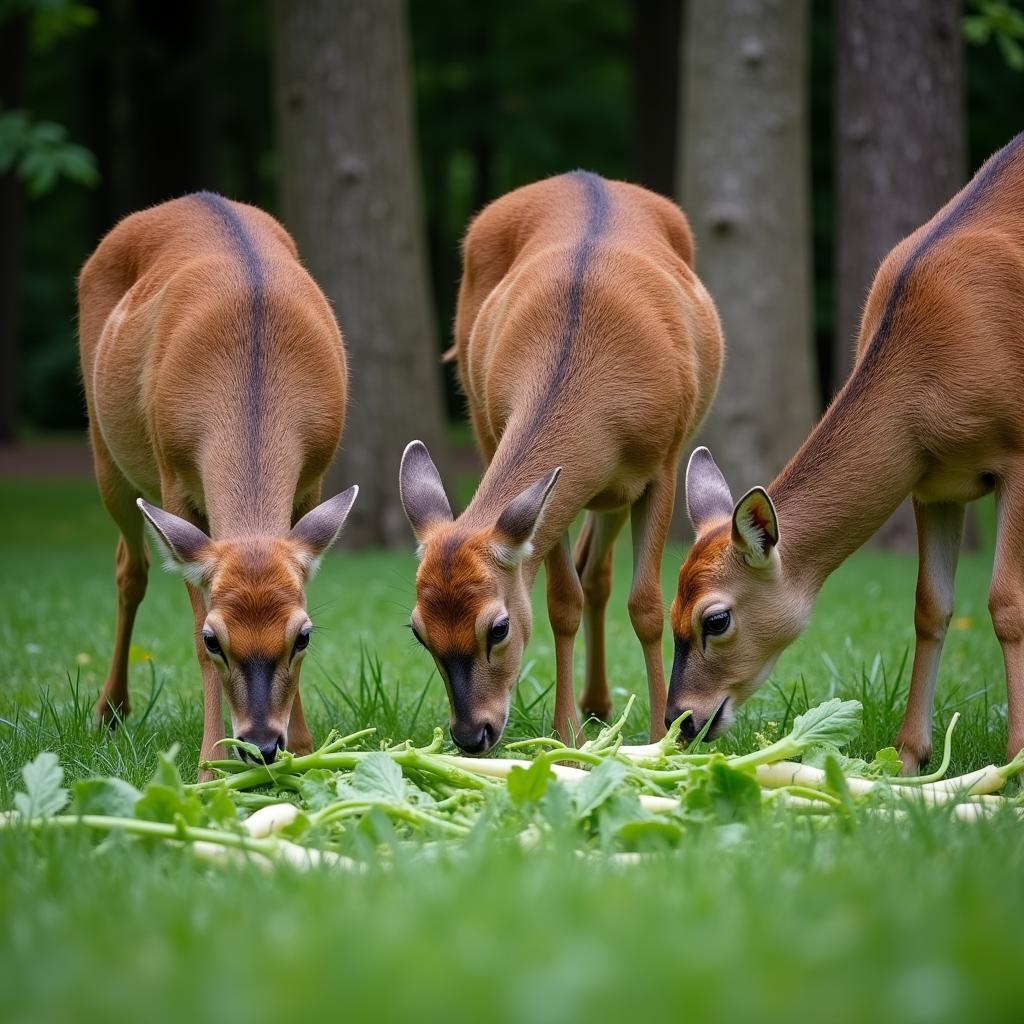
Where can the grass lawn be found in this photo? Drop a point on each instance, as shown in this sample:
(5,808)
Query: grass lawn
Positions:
(916,922)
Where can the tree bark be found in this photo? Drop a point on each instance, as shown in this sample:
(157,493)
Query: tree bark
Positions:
(352,199)
(657,40)
(745,187)
(13,45)
(900,137)
(900,150)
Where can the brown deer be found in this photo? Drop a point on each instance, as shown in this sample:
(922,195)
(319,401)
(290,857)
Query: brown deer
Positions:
(215,380)
(588,351)
(932,409)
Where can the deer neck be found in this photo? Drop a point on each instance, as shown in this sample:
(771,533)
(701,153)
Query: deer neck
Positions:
(249,501)
(847,479)
(521,459)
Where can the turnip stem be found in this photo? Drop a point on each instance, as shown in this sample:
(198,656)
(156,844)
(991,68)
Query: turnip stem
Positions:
(947,752)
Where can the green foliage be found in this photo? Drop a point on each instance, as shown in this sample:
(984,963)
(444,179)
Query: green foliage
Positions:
(916,920)
(528,785)
(1001,21)
(51,21)
(379,776)
(113,797)
(39,153)
(44,795)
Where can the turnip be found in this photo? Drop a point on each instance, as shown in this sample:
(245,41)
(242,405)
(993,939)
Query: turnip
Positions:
(270,819)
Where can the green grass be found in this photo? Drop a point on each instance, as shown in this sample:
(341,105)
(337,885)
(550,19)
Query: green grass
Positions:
(918,921)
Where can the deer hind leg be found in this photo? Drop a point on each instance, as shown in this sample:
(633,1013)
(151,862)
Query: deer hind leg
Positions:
(650,519)
(940,529)
(1006,602)
(593,557)
(565,608)
(131,573)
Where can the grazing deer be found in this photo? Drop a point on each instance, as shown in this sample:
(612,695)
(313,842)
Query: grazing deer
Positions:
(215,380)
(931,409)
(588,351)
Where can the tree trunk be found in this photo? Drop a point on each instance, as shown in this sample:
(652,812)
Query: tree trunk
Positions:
(657,39)
(13,42)
(900,138)
(351,196)
(745,187)
(900,150)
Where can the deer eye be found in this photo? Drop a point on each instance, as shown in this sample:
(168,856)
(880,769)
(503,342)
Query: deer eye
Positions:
(212,644)
(498,631)
(717,623)
(302,640)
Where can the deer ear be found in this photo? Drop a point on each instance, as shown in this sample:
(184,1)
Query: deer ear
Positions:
(318,529)
(755,527)
(422,492)
(184,547)
(518,523)
(707,494)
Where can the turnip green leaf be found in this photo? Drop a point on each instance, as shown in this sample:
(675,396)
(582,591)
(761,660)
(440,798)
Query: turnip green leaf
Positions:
(44,795)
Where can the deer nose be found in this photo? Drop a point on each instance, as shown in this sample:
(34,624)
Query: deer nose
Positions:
(474,738)
(267,743)
(688,727)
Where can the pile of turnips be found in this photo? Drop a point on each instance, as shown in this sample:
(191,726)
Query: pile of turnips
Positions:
(344,805)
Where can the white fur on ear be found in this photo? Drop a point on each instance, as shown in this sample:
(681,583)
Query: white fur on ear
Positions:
(511,555)
(755,527)
(182,545)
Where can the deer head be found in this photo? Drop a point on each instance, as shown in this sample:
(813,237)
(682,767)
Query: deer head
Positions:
(734,610)
(257,629)
(472,610)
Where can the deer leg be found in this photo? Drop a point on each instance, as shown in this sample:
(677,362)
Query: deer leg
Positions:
(940,529)
(650,519)
(593,556)
(1006,603)
(131,573)
(565,608)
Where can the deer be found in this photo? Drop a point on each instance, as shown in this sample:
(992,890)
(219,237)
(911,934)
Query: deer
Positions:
(588,351)
(931,410)
(215,382)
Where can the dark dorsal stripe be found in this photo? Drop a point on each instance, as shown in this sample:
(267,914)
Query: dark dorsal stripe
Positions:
(597,201)
(968,203)
(828,434)
(241,242)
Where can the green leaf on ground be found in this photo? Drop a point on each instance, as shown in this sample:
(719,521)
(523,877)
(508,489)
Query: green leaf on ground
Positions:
(528,785)
(112,797)
(44,793)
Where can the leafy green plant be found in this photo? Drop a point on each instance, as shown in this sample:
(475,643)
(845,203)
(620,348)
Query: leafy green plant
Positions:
(38,151)
(999,21)
(614,798)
